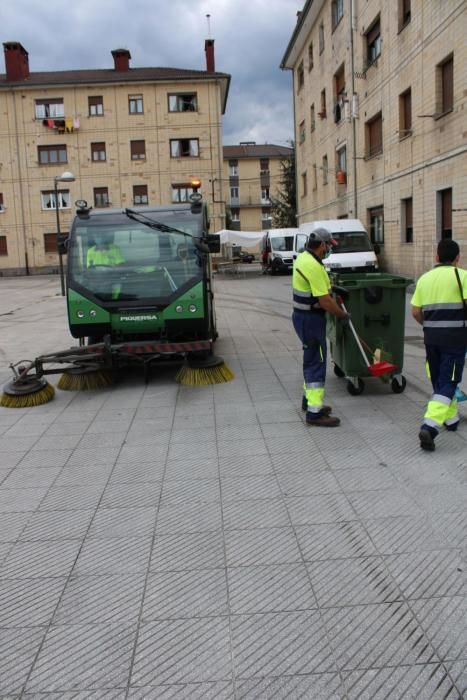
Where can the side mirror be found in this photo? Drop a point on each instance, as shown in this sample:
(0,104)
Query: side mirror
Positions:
(214,243)
(62,244)
(376,248)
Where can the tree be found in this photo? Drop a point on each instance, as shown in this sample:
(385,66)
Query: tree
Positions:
(284,205)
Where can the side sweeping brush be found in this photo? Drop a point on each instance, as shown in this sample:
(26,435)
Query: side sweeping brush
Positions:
(203,372)
(85,379)
(26,392)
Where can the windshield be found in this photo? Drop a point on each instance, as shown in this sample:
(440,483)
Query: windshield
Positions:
(117,258)
(351,242)
(282,243)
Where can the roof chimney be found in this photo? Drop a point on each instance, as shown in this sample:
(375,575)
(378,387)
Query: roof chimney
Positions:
(121,60)
(16,61)
(209,51)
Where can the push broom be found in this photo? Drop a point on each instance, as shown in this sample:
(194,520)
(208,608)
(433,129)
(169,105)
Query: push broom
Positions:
(376,369)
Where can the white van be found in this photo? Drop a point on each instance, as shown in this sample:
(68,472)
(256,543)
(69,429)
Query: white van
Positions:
(280,247)
(354,250)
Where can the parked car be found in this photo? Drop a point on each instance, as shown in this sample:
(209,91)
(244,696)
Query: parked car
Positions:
(246,257)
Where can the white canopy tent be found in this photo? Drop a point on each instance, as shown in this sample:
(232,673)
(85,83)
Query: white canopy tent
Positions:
(246,239)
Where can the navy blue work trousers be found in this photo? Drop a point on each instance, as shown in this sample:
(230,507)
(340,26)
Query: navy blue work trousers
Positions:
(446,365)
(311,329)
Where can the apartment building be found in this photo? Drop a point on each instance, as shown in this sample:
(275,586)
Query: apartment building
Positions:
(252,174)
(128,136)
(380,97)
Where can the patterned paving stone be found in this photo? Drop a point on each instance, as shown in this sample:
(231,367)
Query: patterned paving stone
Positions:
(12,524)
(184,551)
(199,468)
(193,490)
(99,694)
(218,690)
(30,478)
(38,459)
(180,594)
(8,460)
(310,484)
(409,682)
(406,534)
(182,651)
(20,500)
(363,479)
(429,574)
(444,621)
(83,657)
(245,465)
(18,648)
(248,515)
(374,636)
(29,603)
(277,644)
(378,504)
(187,516)
(132,472)
(123,522)
(316,686)
(250,487)
(326,508)
(262,546)
(99,599)
(207,450)
(303,462)
(40,559)
(452,527)
(72,497)
(444,498)
(57,525)
(334,540)
(116,556)
(132,495)
(258,589)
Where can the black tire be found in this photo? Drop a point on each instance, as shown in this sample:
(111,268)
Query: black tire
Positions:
(396,387)
(338,372)
(355,390)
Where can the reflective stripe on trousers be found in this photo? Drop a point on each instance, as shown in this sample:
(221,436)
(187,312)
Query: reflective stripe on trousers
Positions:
(444,367)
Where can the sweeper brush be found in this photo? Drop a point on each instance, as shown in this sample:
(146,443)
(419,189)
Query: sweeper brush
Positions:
(25,393)
(83,379)
(211,370)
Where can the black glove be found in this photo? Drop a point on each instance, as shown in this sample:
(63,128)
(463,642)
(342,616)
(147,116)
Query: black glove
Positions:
(344,320)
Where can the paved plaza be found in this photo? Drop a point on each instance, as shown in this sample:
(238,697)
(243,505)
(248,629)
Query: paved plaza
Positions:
(159,541)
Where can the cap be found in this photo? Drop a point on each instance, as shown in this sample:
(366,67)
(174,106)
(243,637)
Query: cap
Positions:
(323,235)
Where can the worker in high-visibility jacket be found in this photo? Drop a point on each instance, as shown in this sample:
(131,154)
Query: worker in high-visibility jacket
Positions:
(439,304)
(311,300)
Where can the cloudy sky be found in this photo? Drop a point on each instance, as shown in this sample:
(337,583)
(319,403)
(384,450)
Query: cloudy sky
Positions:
(250,39)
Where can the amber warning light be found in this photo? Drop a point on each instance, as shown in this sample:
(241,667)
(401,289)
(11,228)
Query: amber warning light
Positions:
(195,183)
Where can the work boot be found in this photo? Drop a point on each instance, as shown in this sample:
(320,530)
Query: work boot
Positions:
(452,427)
(324,409)
(323,420)
(427,439)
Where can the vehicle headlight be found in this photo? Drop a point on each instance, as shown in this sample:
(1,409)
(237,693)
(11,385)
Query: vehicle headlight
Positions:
(192,308)
(93,313)
(179,309)
(80,314)
(369,263)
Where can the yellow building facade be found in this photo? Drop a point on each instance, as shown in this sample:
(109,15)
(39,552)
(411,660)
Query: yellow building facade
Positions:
(380,99)
(252,174)
(129,136)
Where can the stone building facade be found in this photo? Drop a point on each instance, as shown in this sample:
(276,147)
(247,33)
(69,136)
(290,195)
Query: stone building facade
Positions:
(129,136)
(380,97)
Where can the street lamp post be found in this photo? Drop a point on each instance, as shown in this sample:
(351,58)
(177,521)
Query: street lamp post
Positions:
(65,177)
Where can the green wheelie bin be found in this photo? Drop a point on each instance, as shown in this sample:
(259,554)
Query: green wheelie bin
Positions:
(376,302)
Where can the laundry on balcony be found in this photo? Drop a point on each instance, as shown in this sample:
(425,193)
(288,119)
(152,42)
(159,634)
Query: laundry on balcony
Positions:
(62,126)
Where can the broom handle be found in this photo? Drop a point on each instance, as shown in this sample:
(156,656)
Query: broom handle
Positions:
(357,339)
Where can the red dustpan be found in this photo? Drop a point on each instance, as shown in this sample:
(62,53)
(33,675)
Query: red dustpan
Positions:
(377,369)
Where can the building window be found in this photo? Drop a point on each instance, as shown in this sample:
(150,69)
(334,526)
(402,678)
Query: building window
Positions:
(310,56)
(233,168)
(138,150)
(341,160)
(183,102)
(98,151)
(235,215)
(181,193)
(184,148)
(304,184)
(339,94)
(315,177)
(301,132)
(266,215)
(405,114)
(3,246)
(322,112)
(407,220)
(312,118)
(50,243)
(374,136)
(48,199)
(101,197)
(265,195)
(2,207)
(300,76)
(135,104)
(325,169)
(445,85)
(337,12)
(51,155)
(96,106)
(264,166)
(405,13)
(321,38)
(444,213)
(140,194)
(376,224)
(52,108)
(373,42)
(234,194)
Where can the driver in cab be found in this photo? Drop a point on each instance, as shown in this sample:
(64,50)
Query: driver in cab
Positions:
(104,252)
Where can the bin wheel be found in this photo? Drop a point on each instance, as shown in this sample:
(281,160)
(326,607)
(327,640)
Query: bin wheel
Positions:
(338,372)
(398,386)
(355,390)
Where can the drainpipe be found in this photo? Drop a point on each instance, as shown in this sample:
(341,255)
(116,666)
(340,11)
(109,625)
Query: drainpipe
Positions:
(353,23)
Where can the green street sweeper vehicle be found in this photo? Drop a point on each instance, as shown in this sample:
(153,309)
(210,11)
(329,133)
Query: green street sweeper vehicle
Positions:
(139,290)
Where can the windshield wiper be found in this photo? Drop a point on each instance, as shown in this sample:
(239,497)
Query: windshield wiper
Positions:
(146,221)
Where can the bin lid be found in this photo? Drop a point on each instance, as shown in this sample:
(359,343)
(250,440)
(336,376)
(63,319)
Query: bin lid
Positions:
(357,280)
